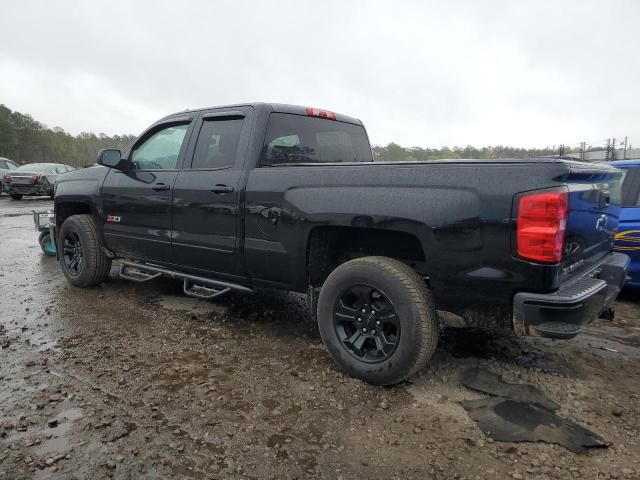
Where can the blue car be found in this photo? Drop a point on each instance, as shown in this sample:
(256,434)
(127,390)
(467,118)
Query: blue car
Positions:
(628,235)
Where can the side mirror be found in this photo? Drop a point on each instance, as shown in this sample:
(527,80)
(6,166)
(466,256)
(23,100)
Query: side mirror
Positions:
(109,157)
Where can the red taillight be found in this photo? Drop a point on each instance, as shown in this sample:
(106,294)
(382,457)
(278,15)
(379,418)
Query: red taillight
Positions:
(34,178)
(316,112)
(7,178)
(542,223)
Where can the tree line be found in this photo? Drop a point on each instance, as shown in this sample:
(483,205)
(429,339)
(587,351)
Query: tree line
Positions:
(396,153)
(23,139)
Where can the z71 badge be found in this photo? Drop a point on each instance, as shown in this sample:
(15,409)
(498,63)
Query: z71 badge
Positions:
(113,219)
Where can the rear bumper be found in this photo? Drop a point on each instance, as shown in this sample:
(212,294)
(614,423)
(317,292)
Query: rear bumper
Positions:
(38,189)
(563,313)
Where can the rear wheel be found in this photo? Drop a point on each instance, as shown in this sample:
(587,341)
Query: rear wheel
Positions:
(48,247)
(82,258)
(16,196)
(377,319)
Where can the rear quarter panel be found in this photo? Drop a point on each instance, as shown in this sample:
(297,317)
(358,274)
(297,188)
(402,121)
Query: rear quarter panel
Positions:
(461,214)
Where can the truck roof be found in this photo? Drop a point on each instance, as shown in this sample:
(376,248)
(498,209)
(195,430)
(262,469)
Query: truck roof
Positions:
(271,107)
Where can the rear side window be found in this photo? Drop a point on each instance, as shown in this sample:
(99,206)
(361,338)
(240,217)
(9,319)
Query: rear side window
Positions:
(631,188)
(295,139)
(217,144)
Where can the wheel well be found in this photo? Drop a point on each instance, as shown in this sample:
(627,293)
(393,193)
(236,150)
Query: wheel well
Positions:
(65,210)
(329,247)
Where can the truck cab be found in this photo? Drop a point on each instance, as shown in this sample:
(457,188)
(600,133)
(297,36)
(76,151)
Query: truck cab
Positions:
(628,234)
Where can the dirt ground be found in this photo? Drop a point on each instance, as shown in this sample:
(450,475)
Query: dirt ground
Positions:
(137,381)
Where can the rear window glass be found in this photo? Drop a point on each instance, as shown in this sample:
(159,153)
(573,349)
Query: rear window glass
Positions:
(631,188)
(295,139)
(36,168)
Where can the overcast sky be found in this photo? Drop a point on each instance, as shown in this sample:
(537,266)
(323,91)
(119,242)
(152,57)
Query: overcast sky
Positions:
(525,73)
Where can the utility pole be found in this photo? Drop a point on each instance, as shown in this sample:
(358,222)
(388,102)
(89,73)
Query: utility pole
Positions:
(624,153)
(613,149)
(583,147)
(607,152)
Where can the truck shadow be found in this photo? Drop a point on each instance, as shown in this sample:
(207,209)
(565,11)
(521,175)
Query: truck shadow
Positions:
(506,347)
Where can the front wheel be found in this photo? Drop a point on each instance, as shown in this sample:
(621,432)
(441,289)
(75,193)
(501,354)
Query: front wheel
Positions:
(377,319)
(82,257)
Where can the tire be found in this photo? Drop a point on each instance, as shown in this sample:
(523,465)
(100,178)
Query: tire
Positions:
(415,325)
(47,246)
(16,196)
(79,234)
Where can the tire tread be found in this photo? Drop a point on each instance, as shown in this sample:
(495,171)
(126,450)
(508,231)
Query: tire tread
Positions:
(99,261)
(417,293)
(421,298)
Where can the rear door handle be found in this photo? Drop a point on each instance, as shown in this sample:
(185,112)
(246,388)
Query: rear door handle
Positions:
(222,189)
(158,187)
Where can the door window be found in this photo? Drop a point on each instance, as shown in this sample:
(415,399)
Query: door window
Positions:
(160,151)
(217,144)
(11,166)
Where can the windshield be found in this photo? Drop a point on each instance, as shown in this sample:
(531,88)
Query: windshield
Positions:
(35,167)
(631,187)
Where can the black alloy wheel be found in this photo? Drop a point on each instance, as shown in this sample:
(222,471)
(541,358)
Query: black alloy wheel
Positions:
(366,323)
(72,253)
(377,319)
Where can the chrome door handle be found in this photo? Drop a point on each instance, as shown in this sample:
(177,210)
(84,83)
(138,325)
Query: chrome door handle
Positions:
(158,187)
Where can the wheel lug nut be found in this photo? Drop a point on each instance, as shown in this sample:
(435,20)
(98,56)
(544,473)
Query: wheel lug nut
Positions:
(364,310)
(364,330)
(378,323)
(373,312)
(359,319)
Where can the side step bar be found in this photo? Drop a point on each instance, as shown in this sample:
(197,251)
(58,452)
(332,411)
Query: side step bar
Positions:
(193,286)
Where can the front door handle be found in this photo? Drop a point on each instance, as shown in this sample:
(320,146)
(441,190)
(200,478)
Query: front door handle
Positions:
(158,187)
(222,189)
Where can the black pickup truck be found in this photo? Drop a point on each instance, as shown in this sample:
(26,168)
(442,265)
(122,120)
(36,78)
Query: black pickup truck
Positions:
(264,195)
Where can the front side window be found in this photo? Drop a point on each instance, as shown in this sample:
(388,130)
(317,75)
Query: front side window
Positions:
(11,166)
(295,139)
(217,144)
(160,151)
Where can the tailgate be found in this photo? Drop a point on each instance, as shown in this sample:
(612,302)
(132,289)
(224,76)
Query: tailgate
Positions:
(594,210)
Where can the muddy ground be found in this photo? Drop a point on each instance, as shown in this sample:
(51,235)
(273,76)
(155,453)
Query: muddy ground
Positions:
(136,381)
